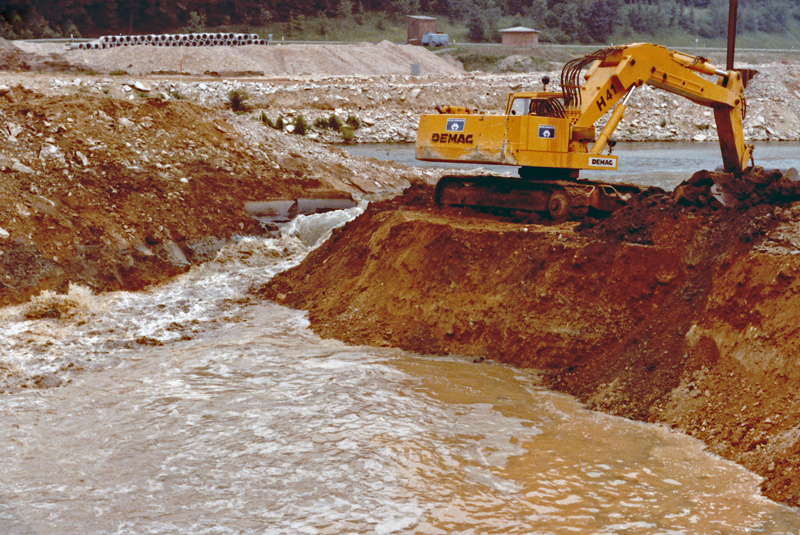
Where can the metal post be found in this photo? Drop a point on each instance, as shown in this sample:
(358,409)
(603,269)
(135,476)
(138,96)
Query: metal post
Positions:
(731,33)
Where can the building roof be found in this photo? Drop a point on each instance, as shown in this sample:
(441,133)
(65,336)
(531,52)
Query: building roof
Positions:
(519,29)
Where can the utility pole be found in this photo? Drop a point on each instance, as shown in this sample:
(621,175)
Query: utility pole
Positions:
(731,33)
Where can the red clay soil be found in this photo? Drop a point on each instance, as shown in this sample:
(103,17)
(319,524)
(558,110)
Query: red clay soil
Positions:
(675,309)
(119,194)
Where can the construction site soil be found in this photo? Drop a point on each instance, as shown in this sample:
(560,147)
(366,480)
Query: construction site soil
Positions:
(676,309)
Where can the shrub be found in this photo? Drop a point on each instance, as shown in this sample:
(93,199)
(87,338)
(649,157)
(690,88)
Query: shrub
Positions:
(280,123)
(266,120)
(348,134)
(334,123)
(300,126)
(353,122)
(237,99)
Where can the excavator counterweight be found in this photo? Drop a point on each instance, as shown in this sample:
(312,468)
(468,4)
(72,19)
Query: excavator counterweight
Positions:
(551,136)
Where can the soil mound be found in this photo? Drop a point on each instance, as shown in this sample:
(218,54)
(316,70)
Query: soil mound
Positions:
(294,60)
(118,194)
(12,58)
(676,309)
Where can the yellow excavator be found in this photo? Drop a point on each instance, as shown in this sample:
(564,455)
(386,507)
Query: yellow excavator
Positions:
(551,135)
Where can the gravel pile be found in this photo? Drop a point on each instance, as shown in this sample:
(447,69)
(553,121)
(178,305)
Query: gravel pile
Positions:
(365,59)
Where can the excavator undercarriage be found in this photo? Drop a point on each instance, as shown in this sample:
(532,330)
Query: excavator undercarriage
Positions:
(560,199)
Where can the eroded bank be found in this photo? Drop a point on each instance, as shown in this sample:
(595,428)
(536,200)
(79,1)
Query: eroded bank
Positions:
(674,310)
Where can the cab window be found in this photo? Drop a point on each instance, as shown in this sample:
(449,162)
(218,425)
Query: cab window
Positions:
(520,106)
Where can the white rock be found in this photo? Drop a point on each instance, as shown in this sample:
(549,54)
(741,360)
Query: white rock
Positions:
(14,130)
(289,128)
(700,137)
(139,86)
(82,157)
(124,122)
(4,234)
(4,89)
(415,92)
(50,152)
(21,168)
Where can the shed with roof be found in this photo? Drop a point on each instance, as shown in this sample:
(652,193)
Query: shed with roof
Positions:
(520,37)
(419,25)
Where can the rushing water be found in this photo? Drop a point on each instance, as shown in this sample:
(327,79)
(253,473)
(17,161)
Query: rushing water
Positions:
(195,409)
(663,164)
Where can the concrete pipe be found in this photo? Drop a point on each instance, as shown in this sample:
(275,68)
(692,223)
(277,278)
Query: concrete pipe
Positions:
(228,42)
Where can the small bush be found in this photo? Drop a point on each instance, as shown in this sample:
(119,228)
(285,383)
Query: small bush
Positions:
(353,122)
(177,95)
(334,123)
(280,123)
(300,126)
(320,123)
(348,134)
(266,121)
(118,72)
(237,100)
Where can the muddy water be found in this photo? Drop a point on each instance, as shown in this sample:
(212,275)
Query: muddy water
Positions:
(662,164)
(192,409)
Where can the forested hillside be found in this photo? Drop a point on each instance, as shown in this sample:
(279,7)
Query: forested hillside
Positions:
(561,21)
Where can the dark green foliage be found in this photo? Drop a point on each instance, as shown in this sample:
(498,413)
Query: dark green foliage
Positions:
(353,122)
(266,121)
(331,123)
(300,126)
(237,100)
(595,21)
(348,134)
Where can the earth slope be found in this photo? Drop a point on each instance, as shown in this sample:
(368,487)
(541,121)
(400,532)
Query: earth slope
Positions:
(674,310)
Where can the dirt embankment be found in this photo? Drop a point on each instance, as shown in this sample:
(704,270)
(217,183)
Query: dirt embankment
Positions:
(117,194)
(673,310)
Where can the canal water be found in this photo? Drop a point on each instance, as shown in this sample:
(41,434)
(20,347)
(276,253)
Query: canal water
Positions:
(194,408)
(662,164)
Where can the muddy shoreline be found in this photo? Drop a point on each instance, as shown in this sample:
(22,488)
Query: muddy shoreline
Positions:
(668,313)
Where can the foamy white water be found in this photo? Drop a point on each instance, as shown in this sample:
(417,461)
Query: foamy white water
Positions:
(244,421)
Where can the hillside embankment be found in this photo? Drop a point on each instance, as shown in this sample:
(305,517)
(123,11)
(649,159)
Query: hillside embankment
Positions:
(675,309)
(116,194)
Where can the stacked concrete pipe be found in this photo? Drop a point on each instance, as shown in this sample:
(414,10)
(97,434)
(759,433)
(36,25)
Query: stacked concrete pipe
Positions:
(186,39)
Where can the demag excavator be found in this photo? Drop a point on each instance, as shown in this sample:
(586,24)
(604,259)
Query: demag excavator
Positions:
(551,135)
